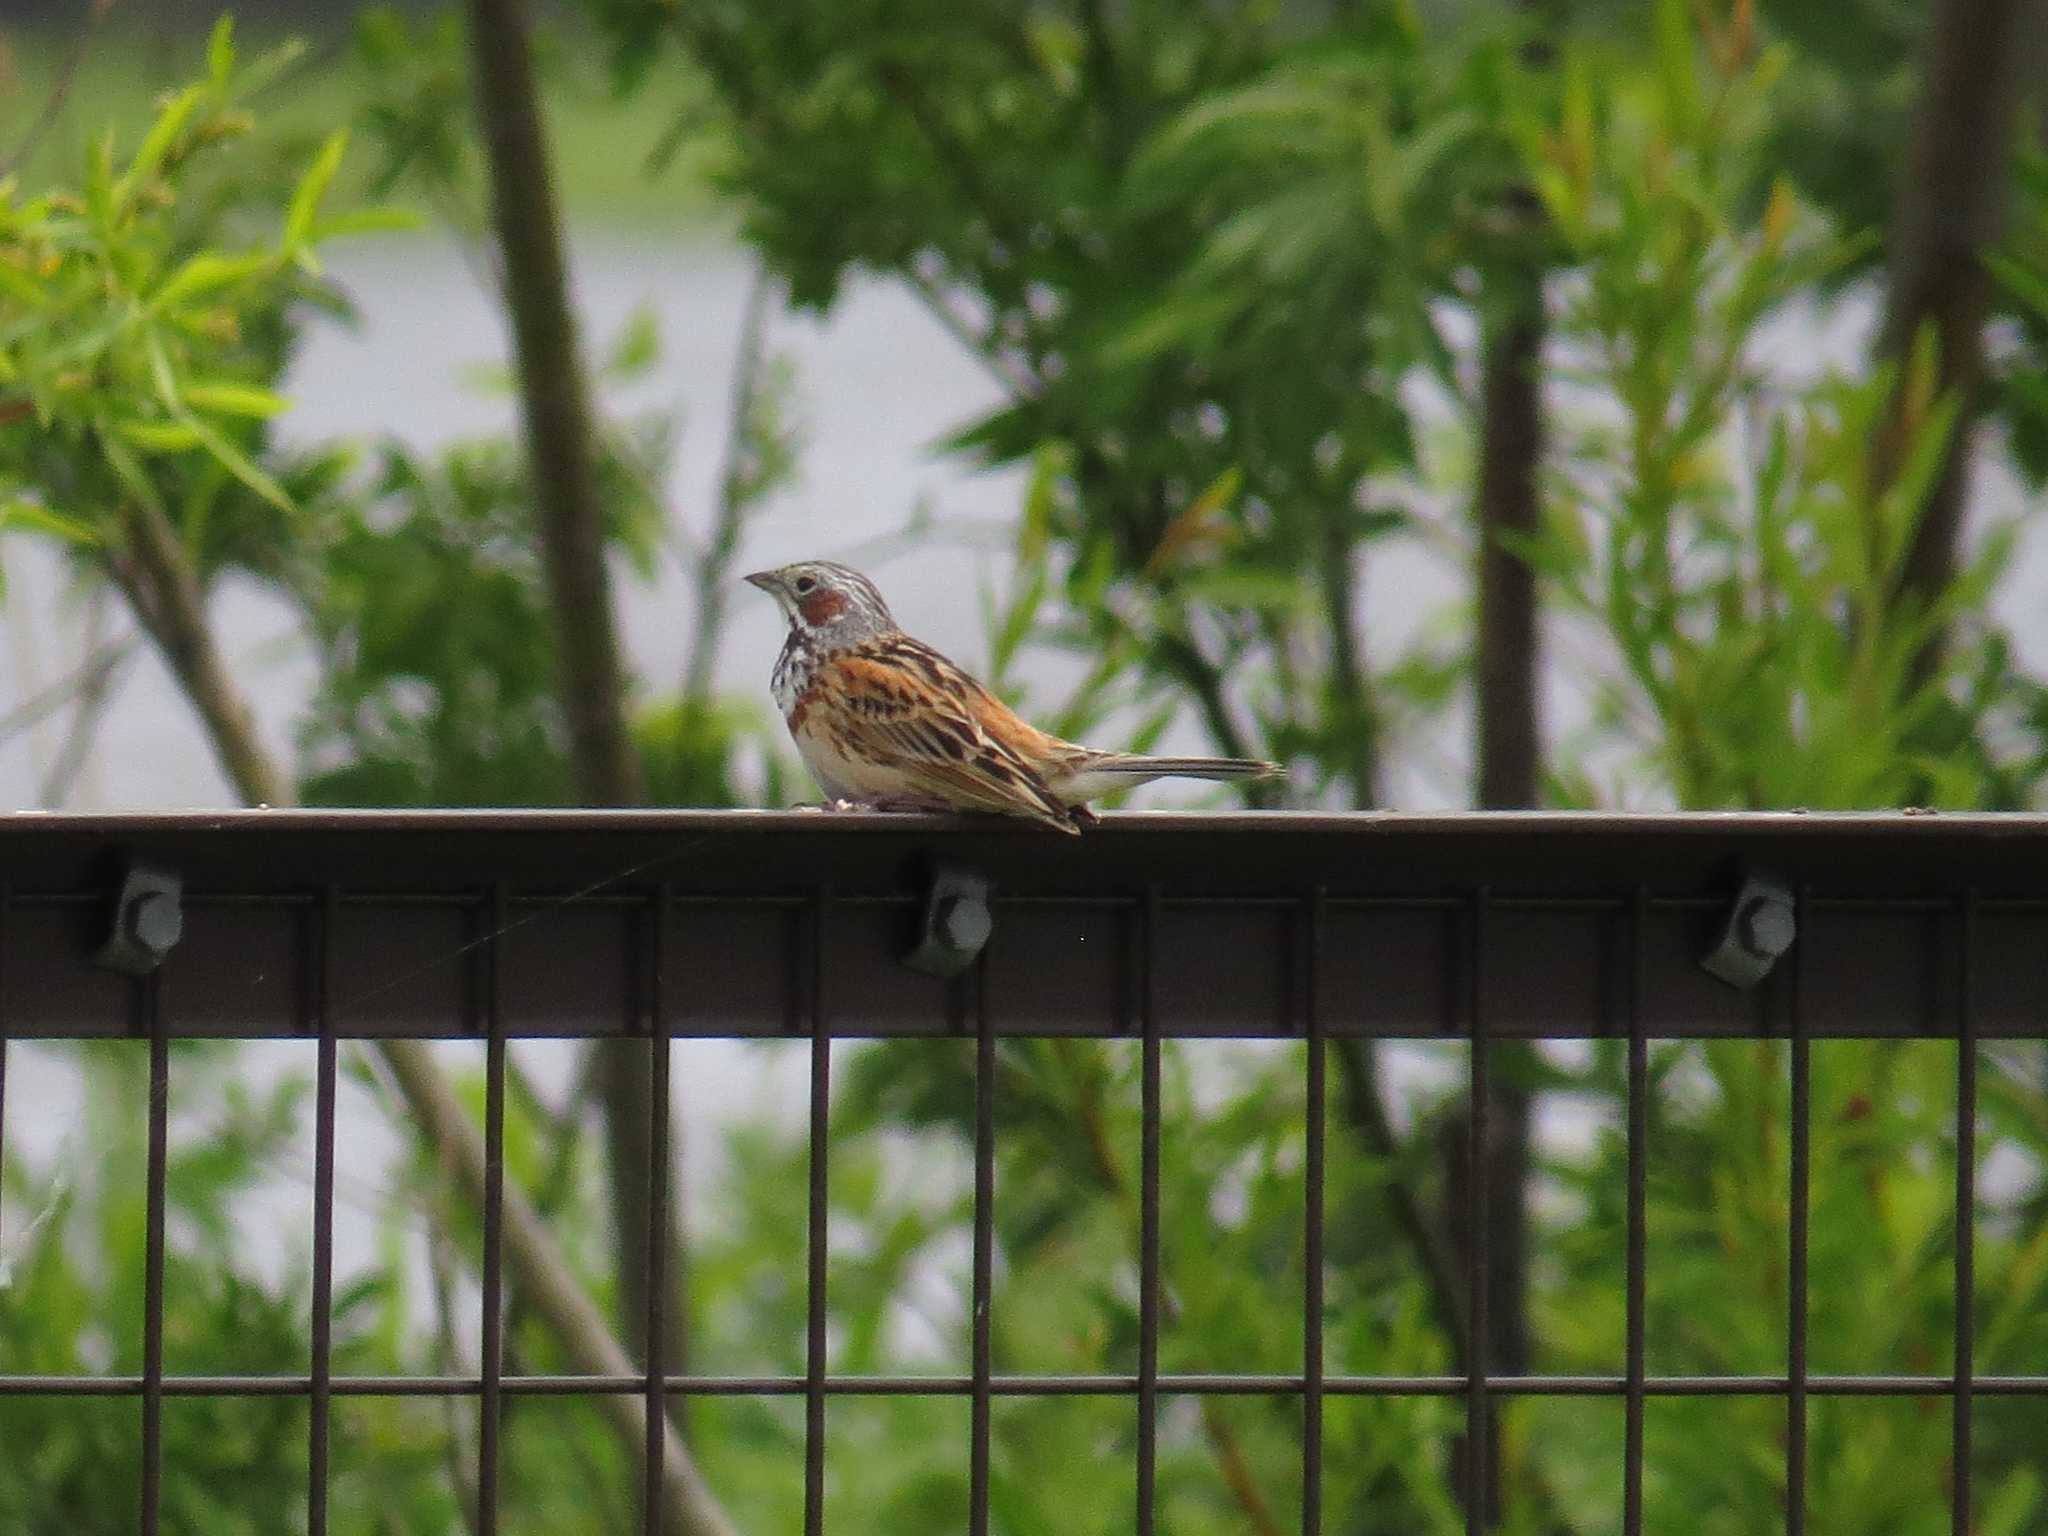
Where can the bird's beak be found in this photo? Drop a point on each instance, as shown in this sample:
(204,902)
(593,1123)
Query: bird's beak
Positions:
(765,580)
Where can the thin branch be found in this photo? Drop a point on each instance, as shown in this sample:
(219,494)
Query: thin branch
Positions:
(53,104)
(953,156)
(39,706)
(1351,689)
(1023,387)
(688,1505)
(89,712)
(1203,679)
(162,588)
(1105,86)
(714,568)
(1237,1472)
(460,1458)
(1368,1117)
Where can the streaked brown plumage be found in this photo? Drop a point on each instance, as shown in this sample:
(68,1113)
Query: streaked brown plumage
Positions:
(886,722)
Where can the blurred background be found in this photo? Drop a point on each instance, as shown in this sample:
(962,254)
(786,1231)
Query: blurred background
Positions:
(1498,403)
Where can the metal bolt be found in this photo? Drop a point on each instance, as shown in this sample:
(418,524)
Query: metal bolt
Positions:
(954,922)
(1767,928)
(156,921)
(148,920)
(964,923)
(1759,926)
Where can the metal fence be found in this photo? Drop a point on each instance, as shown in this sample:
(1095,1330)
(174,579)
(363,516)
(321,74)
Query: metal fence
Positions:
(663,926)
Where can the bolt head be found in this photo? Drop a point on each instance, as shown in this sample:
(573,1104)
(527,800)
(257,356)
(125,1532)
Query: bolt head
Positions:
(964,923)
(156,922)
(1767,927)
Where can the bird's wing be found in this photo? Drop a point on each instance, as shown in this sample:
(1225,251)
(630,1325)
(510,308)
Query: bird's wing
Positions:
(901,707)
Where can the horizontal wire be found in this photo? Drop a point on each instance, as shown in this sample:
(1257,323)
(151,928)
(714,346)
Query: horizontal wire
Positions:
(1198,1385)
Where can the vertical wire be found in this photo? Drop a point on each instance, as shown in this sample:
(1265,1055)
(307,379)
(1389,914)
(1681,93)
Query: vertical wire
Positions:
(491,1414)
(1312,1255)
(984,1251)
(1478,1278)
(1148,1218)
(1795,1322)
(1962,1455)
(6,1019)
(153,1257)
(319,1405)
(1638,1158)
(660,1112)
(814,1301)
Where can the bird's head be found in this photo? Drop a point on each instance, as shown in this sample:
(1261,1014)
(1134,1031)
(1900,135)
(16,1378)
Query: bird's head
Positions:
(831,605)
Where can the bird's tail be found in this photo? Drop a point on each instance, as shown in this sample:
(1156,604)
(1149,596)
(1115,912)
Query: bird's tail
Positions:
(1125,770)
(1220,768)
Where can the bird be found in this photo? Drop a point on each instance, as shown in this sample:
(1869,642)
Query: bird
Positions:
(884,722)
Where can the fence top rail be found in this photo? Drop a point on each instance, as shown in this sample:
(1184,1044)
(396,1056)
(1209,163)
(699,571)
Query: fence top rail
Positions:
(555,852)
(771,924)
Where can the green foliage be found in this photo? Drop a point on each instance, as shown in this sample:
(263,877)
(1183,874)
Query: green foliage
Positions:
(1741,551)
(71,1297)
(1215,256)
(426,598)
(140,340)
(1214,425)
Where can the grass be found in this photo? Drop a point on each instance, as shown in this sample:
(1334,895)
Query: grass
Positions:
(601,144)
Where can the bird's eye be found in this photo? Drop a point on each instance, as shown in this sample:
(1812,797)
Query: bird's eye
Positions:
(806,583)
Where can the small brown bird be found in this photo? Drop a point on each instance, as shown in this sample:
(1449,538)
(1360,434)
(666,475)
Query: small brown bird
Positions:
(884,722)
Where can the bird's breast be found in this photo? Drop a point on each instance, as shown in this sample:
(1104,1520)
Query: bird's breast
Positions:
(794,669)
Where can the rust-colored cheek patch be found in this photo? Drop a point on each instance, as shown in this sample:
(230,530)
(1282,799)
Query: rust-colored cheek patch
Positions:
(821,607)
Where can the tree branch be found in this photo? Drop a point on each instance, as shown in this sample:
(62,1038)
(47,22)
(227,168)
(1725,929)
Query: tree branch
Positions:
(89,711)
(162,587)
(1367,1114)
(53,104)
(1216,1428)
(553,403)
(39,706)
(1511,447)
(571,524)
(1953,196)
(1185,662)
(688,1505)
(1351,689)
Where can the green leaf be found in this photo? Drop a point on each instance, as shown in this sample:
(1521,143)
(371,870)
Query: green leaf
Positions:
(161,373)
(220,50)
(34,516)
(235,399)
(637,349)
(1262,591)
(159,436)
(99,183)
(267,68)
(206,273)
(126,467)
(312,187)
(238,464)
(2026,284)
(156,144)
